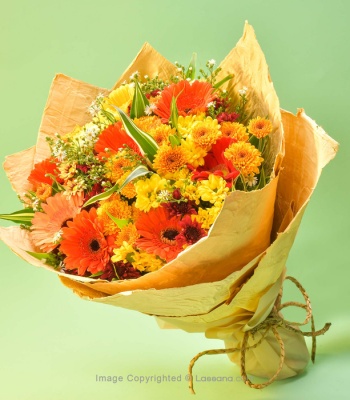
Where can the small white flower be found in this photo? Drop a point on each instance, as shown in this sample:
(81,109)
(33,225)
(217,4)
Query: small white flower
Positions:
(190,68)
(211,104)
(179,69)
(132,84)
(150,109)
(146,76)
(243,91)
(57,237)
(252,181)
(135,75)
(164,195)
(211,63)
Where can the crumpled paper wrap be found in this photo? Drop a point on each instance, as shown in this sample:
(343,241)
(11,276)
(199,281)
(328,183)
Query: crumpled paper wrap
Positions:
(226,283)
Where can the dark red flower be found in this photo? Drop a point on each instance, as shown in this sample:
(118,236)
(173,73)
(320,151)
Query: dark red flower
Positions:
(191,232)
(227,117)
(179,209)
(126,271)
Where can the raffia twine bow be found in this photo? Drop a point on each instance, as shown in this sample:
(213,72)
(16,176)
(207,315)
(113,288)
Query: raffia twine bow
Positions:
(272,322)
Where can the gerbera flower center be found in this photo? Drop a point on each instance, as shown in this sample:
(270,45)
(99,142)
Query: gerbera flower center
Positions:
(94,245)
(168,236)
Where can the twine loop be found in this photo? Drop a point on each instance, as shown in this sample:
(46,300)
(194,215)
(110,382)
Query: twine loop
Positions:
(273,321)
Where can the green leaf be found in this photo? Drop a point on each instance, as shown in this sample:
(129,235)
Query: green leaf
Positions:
(48,258)
(139,103)
(96,275)
(191,71)
(220,83)
(141,170)
(102,196)
(120,222)
(174,116)
(24,216)
(145,141)
(262,180)
(174,140)
(108,115)
(137,172)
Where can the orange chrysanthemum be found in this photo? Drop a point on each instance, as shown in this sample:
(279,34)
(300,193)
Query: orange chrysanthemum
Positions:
(43,191)
(84,244)
(146,124)
(169,160)
(234,130)
(260,127)
(116,207)
(116,167)
(114,138)
(191,98)
(244,157)
(161,133)
(127,234)
(47,225)
(206,133)
(158,234)
(40,173)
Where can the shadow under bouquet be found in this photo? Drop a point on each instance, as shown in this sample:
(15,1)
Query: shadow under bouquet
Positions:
(177,194)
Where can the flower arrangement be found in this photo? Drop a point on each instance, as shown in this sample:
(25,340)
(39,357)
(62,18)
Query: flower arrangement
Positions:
(125,193)
(177,195)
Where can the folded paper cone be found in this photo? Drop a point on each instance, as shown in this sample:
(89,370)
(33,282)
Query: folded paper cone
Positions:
(217,284)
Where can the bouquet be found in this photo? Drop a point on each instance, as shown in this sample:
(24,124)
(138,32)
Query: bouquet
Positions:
(177,194)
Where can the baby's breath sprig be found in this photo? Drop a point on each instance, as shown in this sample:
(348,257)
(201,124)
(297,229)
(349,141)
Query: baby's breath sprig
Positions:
(152,85)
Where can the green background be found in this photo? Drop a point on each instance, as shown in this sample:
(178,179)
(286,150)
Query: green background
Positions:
(52,344)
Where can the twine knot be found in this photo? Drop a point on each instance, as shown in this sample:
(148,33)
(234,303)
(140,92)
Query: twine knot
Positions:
(272,322)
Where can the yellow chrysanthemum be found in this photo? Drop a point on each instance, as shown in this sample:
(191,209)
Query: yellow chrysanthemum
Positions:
(205,133)
(146,124)
(245,158)
(147,192)
(161,133)
(206,217)
(120,97)
(213,189)
(123,252)
(116,207)
(116,167)
(260,127)
(127,234)
(185,124)
(146,262)
(169,160)
(234,130)
(188,189)
(195,154)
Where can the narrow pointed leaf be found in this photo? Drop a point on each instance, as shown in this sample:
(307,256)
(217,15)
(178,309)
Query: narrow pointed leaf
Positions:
(174,140)
(48,258)
(262,180)
(108,115)
(102,196)
(120,222)
(137,172)
(174,116)
(191,71)
(141,170)
(139,103)
(24,216)
(145,141)
(220,83)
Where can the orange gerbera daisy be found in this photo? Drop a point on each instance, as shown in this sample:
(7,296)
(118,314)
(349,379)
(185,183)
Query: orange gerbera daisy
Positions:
(46,226)
(114,138)
(40,171)
(192,98)
(158,234)
(84,244)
